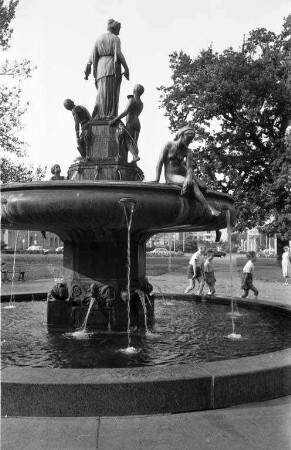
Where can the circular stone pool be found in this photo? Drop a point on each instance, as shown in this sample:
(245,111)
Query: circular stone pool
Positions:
(183,332)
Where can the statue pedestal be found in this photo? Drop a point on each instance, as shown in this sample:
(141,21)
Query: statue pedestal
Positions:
(108,159)
(103,140)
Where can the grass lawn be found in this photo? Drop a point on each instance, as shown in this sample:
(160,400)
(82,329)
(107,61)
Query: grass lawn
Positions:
(158,265)
(266,269)
(38,266)
(50,266)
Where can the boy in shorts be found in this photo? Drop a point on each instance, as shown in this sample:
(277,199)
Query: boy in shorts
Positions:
(247,276)
(209,272)
(195,271)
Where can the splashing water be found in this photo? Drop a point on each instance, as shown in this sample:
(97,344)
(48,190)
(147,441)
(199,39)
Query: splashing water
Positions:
(160,291)
(143,303)
(234,336)
(11,304)
(130,350)
(80,334)
(128,207)
(234,314)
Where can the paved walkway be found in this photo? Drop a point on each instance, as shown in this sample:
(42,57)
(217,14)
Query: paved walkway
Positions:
(176,282)
(226,286)
(256,426)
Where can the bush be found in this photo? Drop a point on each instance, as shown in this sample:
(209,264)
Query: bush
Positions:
(8,250)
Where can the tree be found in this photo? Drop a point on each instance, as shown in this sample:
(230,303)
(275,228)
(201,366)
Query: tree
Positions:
(190,244)
(239,103)
(12,74)
(17,172)
(7,13)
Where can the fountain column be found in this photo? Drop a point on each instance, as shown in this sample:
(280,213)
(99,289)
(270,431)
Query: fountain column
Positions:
(105,261)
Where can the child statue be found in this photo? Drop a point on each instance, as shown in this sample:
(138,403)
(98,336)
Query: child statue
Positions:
(81,117)
(130,134)
(56,172)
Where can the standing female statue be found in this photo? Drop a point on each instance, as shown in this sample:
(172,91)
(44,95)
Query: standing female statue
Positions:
(107,60)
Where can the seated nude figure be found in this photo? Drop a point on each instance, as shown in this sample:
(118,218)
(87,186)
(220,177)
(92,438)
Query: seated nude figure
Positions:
(176,157)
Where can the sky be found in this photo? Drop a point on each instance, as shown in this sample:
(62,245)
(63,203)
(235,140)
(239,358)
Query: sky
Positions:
(57,36)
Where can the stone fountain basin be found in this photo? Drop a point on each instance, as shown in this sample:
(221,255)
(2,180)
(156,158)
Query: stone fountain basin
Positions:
(60,206)
(149,390)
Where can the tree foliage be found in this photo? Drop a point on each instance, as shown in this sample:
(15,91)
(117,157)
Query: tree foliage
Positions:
(239,102)
(12,109)
(12,171)
(7,13)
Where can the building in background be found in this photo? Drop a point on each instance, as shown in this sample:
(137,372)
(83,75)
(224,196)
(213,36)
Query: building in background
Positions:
(247,241)
(176,241)
(26,238)
(255,241)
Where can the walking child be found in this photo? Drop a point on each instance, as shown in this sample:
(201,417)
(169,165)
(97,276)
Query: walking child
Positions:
(247,276)
(286,265)
(209,272)
(195,271)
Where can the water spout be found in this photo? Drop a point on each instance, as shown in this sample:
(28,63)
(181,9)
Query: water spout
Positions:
(84,324)
(45,311)
(234,309)
(170,252)
(149,301)
(128,205)
(109,321)
(12,298)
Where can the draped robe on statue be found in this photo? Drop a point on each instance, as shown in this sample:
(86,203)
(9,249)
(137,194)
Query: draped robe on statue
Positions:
(106,59)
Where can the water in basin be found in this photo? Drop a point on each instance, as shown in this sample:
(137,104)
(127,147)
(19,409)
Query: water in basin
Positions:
(182,332)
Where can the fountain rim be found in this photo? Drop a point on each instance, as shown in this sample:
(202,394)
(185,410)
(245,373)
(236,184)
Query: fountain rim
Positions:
(89,184)
(160,390)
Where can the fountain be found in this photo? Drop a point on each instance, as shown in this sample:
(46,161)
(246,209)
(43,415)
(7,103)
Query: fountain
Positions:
(88,215)
(104,213)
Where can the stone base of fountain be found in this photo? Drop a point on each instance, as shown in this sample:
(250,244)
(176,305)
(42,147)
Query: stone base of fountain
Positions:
(67,315)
